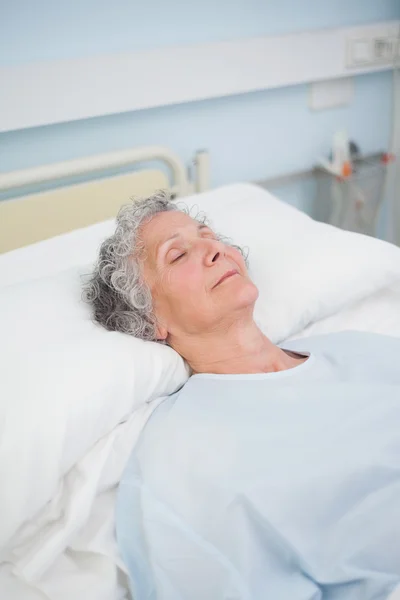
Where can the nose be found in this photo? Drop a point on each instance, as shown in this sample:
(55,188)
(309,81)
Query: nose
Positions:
(214,251)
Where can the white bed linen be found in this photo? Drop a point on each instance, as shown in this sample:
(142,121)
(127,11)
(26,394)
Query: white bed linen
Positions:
(70,546)
(44,570)
(376,313)
(65,383)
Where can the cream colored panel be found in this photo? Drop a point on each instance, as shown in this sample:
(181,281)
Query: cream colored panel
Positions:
(36,217)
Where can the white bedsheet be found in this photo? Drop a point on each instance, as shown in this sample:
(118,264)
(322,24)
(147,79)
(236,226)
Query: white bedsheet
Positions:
(71,546)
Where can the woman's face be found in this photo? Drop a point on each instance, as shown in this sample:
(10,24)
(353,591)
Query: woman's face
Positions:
(197,282)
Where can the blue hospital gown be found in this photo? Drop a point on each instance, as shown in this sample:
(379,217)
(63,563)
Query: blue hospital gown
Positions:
(280,486)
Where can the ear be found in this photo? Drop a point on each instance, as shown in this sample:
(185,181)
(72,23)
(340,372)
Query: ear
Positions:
(161,332)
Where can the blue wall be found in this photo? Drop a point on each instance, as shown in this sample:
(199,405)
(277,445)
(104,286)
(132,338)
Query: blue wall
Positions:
(49,29)
(250,137)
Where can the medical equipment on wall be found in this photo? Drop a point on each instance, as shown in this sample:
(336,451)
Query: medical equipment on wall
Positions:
(352,190)
(363,194)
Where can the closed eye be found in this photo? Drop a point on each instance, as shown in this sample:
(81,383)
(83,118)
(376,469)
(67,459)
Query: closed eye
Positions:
(178,257)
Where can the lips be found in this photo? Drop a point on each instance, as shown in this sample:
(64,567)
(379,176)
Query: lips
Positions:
(225,276)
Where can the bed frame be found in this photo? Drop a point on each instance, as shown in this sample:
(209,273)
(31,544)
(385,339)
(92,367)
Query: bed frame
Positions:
(38,216)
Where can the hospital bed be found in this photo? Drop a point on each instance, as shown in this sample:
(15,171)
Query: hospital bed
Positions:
(75,397)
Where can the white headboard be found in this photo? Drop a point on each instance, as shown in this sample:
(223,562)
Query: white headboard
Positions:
(34,217)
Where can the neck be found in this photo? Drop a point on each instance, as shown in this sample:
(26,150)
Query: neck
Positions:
(239,348)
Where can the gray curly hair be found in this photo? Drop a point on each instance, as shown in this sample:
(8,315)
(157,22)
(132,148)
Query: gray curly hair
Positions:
(119,297)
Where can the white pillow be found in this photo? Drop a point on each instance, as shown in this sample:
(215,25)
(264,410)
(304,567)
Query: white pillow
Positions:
(304,270)
(65,382)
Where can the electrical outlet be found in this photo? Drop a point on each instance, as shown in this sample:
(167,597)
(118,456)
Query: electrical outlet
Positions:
(384,49)
(378,46)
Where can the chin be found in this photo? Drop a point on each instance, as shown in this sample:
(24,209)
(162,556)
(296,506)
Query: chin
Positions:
(245,295)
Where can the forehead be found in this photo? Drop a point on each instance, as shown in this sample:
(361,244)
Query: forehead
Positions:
(165,225)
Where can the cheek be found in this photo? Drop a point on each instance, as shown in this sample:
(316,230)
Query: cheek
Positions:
(240,260)
(185,279)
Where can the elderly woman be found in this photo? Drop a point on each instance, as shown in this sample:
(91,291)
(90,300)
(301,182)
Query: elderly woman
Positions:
(274,473)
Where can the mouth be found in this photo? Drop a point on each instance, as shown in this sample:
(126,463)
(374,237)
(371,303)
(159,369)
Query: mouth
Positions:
(225,276)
